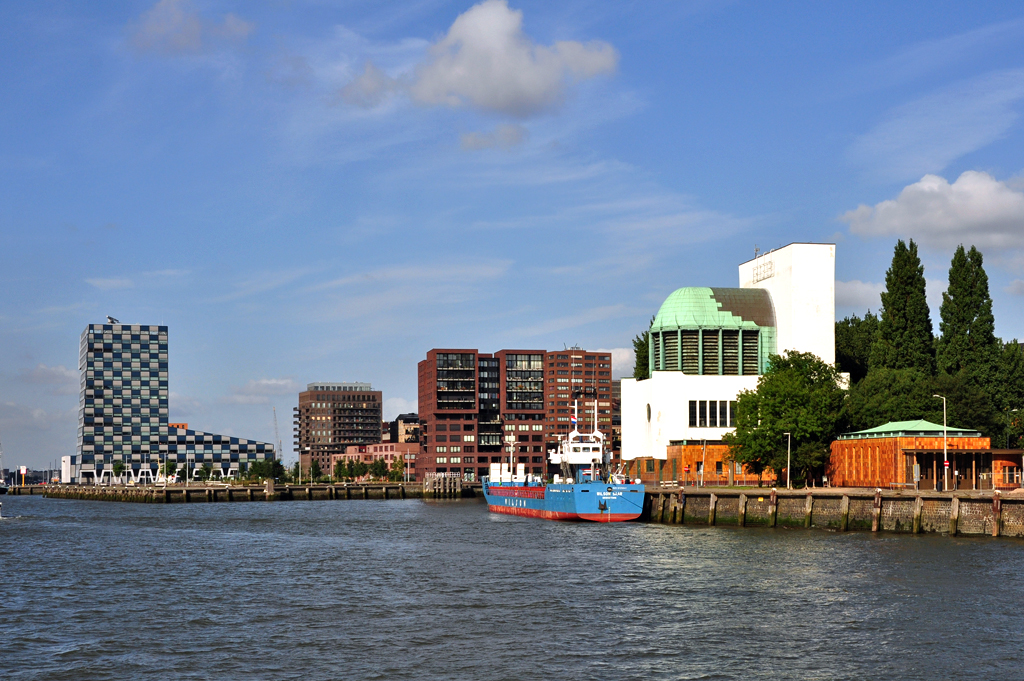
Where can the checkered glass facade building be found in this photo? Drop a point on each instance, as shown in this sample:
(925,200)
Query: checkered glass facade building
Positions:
(123,411)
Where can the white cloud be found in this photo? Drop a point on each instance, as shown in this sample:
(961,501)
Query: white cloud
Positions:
(65,380)
(859,294)
(370,88)
(976,209)
(486,62)
(1016,287)
(573,321)
(926,135)
(622,361)
(110,284)
(174,27)
(259,391)
(503,137)
(182,406)
(393,406)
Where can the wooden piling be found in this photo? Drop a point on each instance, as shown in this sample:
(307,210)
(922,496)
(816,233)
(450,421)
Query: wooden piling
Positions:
(844,513)
(876,511)
(808,508)
(741,515)
(997,513)
(712,507)
(918,512)
(773,508)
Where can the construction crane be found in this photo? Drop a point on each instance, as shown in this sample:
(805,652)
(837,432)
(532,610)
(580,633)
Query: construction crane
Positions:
(277,434)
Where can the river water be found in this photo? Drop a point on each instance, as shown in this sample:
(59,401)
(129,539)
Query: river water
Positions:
(413,589)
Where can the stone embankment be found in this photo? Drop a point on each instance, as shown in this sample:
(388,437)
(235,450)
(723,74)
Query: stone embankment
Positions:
(953,513)
(270,492)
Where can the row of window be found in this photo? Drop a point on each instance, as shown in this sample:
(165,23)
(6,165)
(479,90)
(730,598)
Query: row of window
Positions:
(712,414)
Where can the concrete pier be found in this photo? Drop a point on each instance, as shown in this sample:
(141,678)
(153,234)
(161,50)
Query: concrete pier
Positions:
(269,492)
(840,510)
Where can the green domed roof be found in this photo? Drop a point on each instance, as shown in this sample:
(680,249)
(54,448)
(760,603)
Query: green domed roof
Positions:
(699,307)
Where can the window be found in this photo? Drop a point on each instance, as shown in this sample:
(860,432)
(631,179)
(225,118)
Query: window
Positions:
(739,469)
(732,414)
(650,465)
(441,438)
(442,450)
(538,427)
(455,459)
(455,450)
(442,459)
(713,414)
(702,414)
(718,467)
(467,459)
(693,413)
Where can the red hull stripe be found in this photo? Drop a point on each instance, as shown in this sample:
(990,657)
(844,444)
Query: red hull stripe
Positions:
(555,515)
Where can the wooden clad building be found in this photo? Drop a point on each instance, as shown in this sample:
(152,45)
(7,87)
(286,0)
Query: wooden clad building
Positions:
(695,463)
(886,456)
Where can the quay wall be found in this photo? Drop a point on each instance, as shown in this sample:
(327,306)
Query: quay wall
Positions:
(953,513)
(212,494)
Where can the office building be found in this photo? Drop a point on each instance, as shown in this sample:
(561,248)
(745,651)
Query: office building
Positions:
(123,413)
(332,416)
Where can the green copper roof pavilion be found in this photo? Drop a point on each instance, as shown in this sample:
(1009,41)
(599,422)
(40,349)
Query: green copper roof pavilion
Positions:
(716,331)
(919,428)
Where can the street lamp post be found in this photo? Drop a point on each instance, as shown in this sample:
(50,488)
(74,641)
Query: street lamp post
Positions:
(945,455)
(789,458)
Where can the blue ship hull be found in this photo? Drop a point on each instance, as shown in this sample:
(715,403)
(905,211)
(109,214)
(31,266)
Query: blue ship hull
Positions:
(597,501)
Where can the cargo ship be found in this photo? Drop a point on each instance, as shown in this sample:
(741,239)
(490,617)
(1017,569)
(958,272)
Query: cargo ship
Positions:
(585,489)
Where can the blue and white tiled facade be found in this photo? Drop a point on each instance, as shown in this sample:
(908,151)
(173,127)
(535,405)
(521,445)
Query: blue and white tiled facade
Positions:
(123,412)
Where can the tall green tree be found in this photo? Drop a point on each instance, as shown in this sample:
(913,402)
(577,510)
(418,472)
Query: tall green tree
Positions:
(315,471)
(340,470)
(854,338)
(641,350)
(887,395)
(1010,394)
(904,339)
(968,343)
(798,394)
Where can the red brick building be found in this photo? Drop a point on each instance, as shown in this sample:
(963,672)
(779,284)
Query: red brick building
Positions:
(578,375)
(469,401)
(389,451)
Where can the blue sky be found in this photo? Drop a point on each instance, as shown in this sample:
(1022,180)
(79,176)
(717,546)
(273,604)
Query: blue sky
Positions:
(322,191)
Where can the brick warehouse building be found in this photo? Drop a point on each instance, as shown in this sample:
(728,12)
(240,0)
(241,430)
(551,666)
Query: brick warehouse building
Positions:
(469,401)
(331,416)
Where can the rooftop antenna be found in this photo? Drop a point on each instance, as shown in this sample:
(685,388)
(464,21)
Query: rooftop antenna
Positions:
(757,251)
(111,320)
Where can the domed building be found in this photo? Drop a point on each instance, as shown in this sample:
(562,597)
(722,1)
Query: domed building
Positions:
(709,344)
